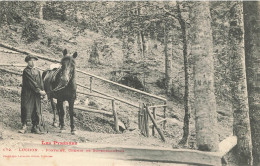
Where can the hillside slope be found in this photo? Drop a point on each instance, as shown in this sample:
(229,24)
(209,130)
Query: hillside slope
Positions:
(54,36)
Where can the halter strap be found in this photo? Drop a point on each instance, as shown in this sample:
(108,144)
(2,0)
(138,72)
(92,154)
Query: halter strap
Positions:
(59,88)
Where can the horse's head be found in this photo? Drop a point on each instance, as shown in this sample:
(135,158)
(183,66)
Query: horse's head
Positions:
(67,67)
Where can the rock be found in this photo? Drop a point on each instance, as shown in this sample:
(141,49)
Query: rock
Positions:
(76,102)
(131,129)
(93,104)
(176,115)
(121,125)
(86,102)
(54,66)
(174,122)
(223,113)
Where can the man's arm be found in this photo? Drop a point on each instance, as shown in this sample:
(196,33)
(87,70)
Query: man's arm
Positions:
(43,93)
(41,81)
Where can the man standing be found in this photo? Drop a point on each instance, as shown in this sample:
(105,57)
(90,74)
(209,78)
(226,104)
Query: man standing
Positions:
(32,91)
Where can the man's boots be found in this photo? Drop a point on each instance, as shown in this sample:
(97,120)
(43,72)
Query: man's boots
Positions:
(36,130)
(24,129)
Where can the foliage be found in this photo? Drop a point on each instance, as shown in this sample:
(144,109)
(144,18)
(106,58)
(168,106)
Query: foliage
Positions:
(9,13)
(126,21)
(31,30)
(54,11)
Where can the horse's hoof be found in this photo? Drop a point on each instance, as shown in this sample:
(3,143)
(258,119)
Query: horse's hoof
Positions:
(73,132)
(22,131)
(55,124)
(62,128)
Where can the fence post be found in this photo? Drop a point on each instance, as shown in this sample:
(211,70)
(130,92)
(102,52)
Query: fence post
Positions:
(90,84)
(154,123)
(146,120)
(154,116)
(164,114)
(139,117)
(115,115)
(143,120)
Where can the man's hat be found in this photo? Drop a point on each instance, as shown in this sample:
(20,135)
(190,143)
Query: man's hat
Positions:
(29,57)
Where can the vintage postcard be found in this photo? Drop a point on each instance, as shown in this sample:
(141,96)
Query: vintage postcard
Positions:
(129,83)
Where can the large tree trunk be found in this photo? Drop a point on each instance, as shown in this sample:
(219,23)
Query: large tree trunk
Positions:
(252,50)
(143,56)
(241,125)
(186,125)
(205,103)
(168,62)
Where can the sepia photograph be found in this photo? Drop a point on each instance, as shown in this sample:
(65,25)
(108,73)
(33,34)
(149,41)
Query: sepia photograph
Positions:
(130,83)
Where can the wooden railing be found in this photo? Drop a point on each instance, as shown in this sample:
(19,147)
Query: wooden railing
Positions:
(173,156)
(145,113)
(83,72)
(92,77)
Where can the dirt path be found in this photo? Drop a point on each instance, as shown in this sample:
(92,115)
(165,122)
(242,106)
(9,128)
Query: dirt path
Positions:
(10,138)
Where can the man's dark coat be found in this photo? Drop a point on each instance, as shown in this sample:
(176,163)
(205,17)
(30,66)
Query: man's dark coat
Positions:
(30,98)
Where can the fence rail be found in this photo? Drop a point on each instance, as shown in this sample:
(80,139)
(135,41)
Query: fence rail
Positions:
(83,72)
(105,94)
(123,86)
(83,86)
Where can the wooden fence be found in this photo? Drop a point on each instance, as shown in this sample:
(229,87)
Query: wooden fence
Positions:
(83,72)
(92,78)
(145,113)
(137,153)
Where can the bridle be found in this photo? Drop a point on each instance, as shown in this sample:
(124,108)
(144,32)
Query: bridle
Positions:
(59,87)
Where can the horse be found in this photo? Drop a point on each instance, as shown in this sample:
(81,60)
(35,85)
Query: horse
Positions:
(60,84)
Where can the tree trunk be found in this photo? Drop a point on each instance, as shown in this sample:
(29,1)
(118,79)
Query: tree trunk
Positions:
(205,103)
(41,11)
(125,47)
(168,63)
(186,125)
(94,56)
(148,45)
(143,44)
(241,122)
(252,49)
(143,57)
(139,45)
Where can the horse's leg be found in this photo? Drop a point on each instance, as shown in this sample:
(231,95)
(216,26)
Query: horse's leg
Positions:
(61,114)
(54,109)
(58,111)
(71,112)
